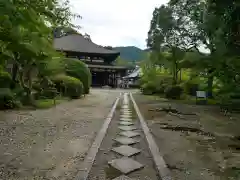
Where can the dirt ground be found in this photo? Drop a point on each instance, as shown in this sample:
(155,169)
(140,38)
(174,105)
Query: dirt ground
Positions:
(197,142)
(49,144)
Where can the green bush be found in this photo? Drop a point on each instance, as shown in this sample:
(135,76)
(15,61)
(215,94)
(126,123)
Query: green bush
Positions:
(173,92)
(79,70)
(46,93)
(190,87)
(7,99)
(45,89)
(5,79)
(157,85)
(68,86)
(148,88)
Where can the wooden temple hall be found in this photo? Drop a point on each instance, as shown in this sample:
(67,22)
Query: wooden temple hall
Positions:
(99,59)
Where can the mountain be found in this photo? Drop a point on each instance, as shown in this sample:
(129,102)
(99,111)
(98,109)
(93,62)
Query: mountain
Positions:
(131,53)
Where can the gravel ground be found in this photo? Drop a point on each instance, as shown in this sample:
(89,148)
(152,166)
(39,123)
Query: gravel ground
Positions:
(205,146)
(49,144)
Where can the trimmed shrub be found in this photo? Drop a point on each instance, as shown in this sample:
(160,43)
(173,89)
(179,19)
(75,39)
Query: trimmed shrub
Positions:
(79,70)
(68,86)
(5,79)
(173,92)
(45,89)
(7,99)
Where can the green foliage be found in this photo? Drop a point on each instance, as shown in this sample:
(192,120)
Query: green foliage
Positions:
(178,30)
(68,86)
(191,86)
(154,80)
(173,92)
(46,93)
(79,70)
(7,99)
(26,40)
(5,79)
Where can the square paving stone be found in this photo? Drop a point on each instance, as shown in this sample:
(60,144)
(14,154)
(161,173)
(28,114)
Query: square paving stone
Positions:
(129,133)
(126,150)
(126,123)
(126,140)
(125,116)
(123,178)
(127,128)
(125,165)
(125,110)
(126,113)
(126,119)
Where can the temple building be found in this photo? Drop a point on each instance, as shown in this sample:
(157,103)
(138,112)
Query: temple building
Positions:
(100,60)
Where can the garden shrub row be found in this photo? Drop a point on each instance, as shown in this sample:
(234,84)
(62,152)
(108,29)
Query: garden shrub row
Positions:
(73,83)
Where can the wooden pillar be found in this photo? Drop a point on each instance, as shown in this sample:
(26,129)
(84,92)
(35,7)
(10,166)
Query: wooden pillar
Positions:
(114,83)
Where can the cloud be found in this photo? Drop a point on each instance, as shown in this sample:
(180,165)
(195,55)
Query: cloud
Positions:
(116,22)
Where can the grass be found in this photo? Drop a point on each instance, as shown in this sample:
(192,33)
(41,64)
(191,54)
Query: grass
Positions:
(185,99)
(48,103)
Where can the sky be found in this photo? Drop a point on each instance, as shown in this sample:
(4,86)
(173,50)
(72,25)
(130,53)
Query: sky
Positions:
(116,22)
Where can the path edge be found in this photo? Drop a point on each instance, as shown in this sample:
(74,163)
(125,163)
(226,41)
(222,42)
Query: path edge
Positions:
(89,159)
(163,171)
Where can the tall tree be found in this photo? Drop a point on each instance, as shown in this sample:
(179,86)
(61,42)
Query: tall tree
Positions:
(26,35)
(166,34)
(213,26)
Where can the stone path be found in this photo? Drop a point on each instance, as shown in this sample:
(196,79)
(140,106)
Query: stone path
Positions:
(125,151)
(125,164)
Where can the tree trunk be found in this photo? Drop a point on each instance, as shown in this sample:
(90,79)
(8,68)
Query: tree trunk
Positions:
(27,88)
(15,71)
(179,75)
(175,73)
(210,83)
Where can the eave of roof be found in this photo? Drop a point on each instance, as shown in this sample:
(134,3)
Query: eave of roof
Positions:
(77,43)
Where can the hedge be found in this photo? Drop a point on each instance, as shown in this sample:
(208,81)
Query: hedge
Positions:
(68,86)
(5,79)
(173,92)
(7,99)
(79,70)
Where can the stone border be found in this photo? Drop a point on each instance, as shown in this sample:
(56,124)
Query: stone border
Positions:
(160,164)
(86,166)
